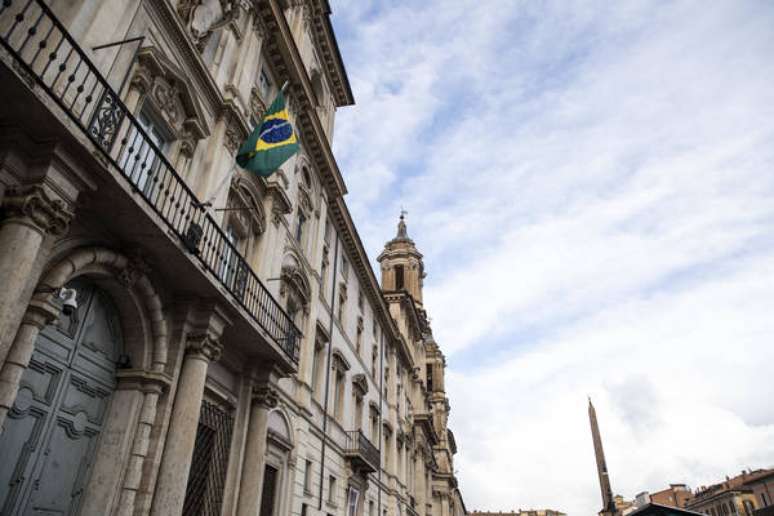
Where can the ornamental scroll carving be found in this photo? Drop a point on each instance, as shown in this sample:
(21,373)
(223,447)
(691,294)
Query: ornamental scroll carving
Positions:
(203,18)
(34,207)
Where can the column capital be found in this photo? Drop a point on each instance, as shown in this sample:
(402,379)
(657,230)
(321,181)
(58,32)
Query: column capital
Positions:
(203,346)
(35,207)
(204,326)
(265,395)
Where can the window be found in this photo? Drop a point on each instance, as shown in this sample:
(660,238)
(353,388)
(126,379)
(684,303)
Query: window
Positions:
(340,312)
(210,459)
(308,477)
(269,491)
(359,335)
(307,178)
(352,498)
(304,509)
(374,358)
(317,367)
(332,490)
(328,231)
(375,328)
(338,402)
(138,160)
(386,379)
(748,507)
(358,423)
(764,501)
(300,226)
(371,508)
(344,267)
(264,83)
(374,425)
(387,451)
(360,300)
(324,272)
(398,277)
(429,372)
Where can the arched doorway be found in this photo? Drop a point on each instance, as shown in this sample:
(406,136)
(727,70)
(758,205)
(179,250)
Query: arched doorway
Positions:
(51,433)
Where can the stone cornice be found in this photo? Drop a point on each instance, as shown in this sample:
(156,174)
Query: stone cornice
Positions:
(286,61)
(283,54)
(329,51)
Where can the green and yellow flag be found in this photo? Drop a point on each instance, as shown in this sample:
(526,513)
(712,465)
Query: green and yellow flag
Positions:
(271,143)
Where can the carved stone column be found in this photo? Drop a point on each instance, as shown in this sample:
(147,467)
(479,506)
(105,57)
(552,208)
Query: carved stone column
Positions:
(264,399)
(37,316)
(30,215)
(202,347)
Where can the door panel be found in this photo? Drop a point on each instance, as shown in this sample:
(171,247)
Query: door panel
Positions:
(52,431)
(25,427)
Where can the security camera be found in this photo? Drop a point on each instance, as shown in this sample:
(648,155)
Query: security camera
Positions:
(69,302)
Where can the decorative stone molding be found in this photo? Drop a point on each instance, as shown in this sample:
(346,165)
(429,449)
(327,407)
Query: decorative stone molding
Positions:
(34,207)
(259,26)
(339,361)
(360,384)
(168,90)
(135,269)
(294,279)
(257,105)
(236,130)
(144,381)
(265,396)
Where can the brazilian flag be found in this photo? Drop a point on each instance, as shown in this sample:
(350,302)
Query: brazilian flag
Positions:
(271,143)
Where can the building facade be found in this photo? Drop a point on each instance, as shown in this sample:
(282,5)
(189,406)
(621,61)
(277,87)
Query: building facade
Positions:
(180,337)
(521,512)
(743,494)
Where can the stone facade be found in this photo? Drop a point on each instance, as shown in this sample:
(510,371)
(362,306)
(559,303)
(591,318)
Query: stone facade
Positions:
(162,356)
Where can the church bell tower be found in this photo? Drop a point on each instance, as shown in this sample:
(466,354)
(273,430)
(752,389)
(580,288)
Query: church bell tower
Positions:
(402,266)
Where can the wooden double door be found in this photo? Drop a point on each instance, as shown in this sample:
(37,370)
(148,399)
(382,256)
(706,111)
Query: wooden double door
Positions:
(51,433)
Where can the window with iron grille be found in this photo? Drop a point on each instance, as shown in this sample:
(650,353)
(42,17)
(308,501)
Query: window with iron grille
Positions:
(204,493)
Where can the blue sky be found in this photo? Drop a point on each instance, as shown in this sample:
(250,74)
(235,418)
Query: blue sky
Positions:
(591,184)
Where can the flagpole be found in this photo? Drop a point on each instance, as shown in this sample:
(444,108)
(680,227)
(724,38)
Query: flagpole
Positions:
(229,176)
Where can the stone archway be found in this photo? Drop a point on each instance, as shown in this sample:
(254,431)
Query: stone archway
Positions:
(128,418)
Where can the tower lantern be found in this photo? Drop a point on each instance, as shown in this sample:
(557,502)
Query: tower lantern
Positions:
(402,266)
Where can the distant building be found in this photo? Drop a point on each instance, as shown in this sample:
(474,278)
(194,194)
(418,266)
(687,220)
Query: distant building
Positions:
(521,512)
(676,495)
(743,494)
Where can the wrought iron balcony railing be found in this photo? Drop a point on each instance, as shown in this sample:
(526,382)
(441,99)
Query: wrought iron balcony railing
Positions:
(49,56)
(358,448)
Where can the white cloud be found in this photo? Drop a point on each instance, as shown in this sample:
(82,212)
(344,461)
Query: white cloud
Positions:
(591,185)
